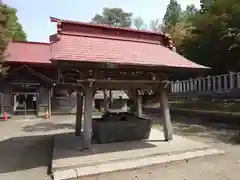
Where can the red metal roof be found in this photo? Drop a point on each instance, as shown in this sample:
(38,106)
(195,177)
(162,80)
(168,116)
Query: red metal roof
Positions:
(81,42)
(92,49)
(85,42)
(28,52)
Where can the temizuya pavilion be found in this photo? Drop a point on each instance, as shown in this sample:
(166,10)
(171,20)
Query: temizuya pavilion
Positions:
(94,57)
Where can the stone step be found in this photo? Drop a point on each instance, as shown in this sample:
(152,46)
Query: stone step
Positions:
(81,162)
(74,172)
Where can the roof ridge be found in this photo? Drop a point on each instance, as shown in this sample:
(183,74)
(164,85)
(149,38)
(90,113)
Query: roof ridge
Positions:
(31,42)
(57,20)
(167,40)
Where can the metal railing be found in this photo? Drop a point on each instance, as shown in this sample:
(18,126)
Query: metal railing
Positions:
(220,83)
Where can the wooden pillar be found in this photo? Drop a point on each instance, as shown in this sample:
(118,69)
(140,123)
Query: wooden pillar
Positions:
(37,102)
(184,86)
(238,80)
(200,84)
(187,86)
(106,102)
(167,124)
(133,101)
(58,74)
(204,84)
(50,101)
(225,85)
(231,80)
(178,87)
(209,83)
(78,125)
(214,83)
(110,99)
(1,104)
(172,87)
(219,87)
(191,85)
(87,128)
(138,102)
(195,84)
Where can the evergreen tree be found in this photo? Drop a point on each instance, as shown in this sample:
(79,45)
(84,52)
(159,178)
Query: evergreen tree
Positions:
(172,15)
(113,17)
(10,29)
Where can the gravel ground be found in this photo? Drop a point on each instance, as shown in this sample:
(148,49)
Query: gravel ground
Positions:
(219,135)
(25,147)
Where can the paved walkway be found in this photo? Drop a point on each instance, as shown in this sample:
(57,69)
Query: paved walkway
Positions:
(25,146)
(25,151)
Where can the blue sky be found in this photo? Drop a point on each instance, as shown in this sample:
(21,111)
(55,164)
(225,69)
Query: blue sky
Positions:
(34,14)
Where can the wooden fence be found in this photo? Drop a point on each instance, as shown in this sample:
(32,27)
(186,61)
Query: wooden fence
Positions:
(220,83)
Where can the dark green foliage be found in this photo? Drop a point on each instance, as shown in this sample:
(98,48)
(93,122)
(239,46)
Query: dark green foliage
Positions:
(138,23)
(114,17)
(214,39)
(172,15)
(10,29)
(190,11)
(205,4)
(177,22)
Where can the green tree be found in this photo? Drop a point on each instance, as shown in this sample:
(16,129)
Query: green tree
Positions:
(138,23)
(113,17)
(176,22)
(205,4)
(172,15)
(10,29)
(214,39)
(155,25)
(190,11)
(233,34)
(178,33)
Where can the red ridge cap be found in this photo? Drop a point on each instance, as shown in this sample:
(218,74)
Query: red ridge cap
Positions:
(31,42)
(53,19)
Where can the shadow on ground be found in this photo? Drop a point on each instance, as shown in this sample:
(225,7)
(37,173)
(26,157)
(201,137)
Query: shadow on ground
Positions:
(47,126)
(22,153)
(208,128)
(67,145)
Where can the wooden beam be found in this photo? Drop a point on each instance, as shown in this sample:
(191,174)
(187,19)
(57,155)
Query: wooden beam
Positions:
(104,81)
(116,84)
(127,81)
(25,83)
(121,86)
(104,73)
